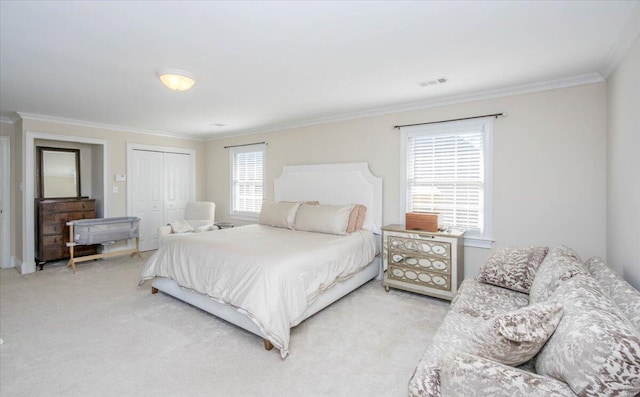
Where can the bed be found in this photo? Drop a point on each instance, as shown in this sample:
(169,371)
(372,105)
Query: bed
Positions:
(268,279)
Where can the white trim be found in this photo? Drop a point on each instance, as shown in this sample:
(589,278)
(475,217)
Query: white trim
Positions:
(6,120)
(5,146)
(487,123)
(91,124)
(28,177)
(246,216)
(572,81)
(629,33)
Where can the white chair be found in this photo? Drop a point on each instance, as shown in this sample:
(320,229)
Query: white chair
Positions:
(198,215)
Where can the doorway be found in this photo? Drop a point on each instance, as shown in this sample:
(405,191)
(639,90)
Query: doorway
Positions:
(160,182)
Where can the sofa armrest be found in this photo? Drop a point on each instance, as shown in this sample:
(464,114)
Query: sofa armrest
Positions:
(464,374)
(164,231)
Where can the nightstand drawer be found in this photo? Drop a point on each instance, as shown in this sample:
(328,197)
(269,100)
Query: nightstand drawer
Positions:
(420,245)
(419,277)
(423,262)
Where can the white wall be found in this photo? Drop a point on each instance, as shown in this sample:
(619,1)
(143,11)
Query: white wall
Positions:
(623,167)
(549,164)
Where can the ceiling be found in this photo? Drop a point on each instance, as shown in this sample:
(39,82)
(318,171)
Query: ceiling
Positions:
(269,65)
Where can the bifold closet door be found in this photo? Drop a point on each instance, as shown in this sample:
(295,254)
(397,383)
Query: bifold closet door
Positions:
(148,195)
(177,185)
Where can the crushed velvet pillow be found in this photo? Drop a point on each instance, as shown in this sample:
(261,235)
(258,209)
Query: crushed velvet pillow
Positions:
(180,226)
(516,337)
(282,214)
(560,264)
(513,268)
(356,218)
(330,219)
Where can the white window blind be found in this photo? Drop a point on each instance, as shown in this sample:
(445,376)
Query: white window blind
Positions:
(247,180)
(447,170)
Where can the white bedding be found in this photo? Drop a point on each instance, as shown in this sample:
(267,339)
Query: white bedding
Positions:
(269,274)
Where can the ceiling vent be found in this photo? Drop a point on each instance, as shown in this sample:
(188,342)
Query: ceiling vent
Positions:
(429,83)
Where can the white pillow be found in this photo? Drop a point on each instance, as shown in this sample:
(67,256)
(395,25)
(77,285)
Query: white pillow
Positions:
(330,219)
(278,214)
(180,226)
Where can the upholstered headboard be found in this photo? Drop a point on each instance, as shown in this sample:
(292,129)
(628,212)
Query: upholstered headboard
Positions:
(337,184)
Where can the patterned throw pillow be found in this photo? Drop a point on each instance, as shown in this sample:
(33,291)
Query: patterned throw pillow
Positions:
(180,226)
(513,268)
(560,264)
(514,338)
(595,349)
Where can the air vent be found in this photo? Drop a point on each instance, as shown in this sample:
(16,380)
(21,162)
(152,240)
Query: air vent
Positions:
(218,125)
(429,83)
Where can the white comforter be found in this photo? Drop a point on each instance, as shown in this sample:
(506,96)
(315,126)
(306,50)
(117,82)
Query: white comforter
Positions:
(270,274)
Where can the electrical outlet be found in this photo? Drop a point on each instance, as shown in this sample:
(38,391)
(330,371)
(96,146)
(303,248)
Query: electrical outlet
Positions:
(115,189)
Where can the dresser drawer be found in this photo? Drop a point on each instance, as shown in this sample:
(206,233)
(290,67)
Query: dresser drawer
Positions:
(52,228)
(49,254)
(419,277)
(423,262)
(69,206)
(422,246)
(54,241)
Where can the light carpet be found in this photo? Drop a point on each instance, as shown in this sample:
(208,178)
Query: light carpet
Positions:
(96,334)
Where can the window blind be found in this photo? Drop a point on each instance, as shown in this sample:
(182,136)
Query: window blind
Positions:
(247,180)
(445,174)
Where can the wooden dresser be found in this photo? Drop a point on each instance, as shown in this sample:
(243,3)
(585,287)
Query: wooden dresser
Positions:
(52,232)
(423,262)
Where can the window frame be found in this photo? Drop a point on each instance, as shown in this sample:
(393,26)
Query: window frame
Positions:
(233,152)
(486,125)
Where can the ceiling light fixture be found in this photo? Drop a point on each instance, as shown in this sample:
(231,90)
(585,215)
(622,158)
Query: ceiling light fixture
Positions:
(428,83)
(177,80)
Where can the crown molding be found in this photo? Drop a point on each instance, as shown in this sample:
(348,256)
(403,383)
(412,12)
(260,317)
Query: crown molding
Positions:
(627,36)
(90,124)
(451,100)
(572,81)
(6,120)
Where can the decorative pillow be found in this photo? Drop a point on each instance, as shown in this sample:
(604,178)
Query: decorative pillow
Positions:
(280,214)
(306,202)
(180,226)
(595,349)
(513,268)
(356,218)
(514,338)
(613,284)
(330,219)
(560,264)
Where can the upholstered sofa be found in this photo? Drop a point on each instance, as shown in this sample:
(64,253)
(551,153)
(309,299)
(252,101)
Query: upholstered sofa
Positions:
(536,324)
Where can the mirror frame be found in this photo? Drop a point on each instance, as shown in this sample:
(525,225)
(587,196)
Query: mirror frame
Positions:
(41,167)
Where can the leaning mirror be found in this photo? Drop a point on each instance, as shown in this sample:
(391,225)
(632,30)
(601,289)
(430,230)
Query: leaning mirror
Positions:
(59,172)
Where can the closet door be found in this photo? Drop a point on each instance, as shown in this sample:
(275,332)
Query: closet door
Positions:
(147,200)
(177,185)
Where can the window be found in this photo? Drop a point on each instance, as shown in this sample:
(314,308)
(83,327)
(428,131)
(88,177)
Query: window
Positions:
(247,180)
(447,168)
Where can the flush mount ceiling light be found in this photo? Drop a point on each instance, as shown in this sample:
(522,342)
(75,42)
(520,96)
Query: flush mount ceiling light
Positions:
(428,83)
(177,80)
